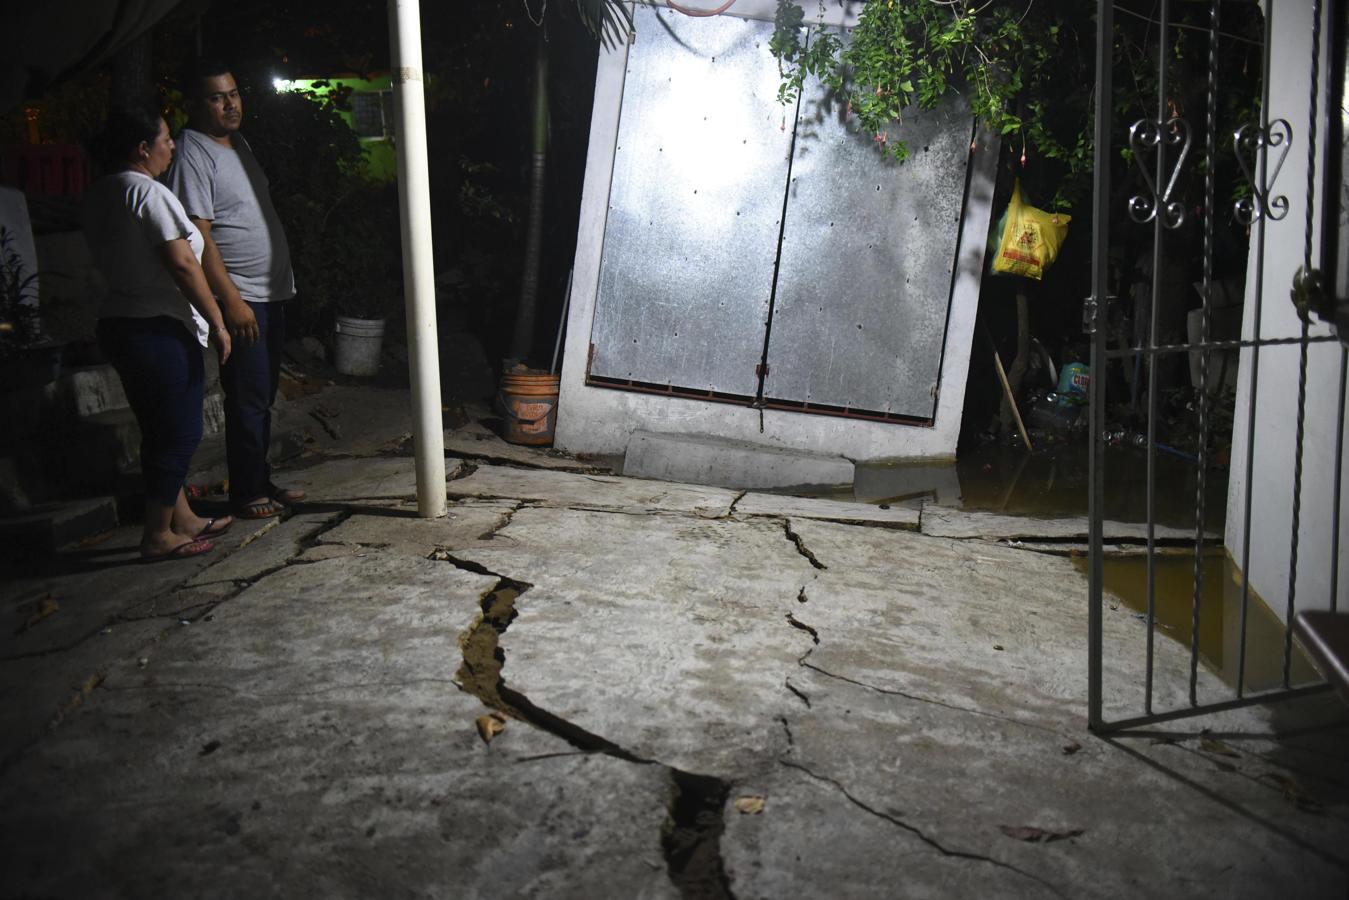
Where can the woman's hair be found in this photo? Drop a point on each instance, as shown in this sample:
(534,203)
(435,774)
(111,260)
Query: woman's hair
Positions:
(126,128)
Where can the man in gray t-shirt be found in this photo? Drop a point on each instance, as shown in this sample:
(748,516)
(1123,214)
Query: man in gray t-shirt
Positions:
(247,264)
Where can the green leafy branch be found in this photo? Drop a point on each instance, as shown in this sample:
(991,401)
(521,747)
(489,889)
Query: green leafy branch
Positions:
(906,54)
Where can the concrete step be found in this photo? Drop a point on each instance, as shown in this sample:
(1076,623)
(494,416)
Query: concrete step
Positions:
(43,529)
(78,394)
(703,459)
(83,392)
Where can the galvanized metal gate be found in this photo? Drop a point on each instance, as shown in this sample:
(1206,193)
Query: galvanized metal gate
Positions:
(768,255)
(1162,147)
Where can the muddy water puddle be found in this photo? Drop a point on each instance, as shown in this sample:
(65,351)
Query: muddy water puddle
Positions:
(1054,484)
(1220,616)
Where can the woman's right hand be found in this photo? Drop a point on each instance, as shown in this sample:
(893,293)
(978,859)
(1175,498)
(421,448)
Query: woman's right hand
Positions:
(220,337)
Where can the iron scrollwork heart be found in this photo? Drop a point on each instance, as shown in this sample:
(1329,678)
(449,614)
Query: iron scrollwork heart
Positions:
(1145,136)
(1252,143)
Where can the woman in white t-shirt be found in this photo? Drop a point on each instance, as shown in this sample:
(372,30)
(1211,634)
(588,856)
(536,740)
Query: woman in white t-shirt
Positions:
(158,315)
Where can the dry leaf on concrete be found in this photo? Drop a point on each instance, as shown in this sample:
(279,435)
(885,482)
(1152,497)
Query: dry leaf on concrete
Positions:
(1034,835)
(490,725)
(1292,791)
(45,607)
(1211,745)
(749,805)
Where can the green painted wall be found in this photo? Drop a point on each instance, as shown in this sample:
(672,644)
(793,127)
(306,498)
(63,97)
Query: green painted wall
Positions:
(381,161)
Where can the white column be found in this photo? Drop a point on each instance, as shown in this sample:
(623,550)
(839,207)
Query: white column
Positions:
(414,205)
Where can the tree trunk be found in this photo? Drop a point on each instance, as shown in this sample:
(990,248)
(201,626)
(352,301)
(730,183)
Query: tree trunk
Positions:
(1018,369)
(523,341)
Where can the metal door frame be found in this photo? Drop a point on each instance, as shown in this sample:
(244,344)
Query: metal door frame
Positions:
(1163,213)
(762,399)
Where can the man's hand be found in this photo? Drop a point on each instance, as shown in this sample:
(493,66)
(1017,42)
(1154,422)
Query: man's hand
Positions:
(239,317)
(240,320)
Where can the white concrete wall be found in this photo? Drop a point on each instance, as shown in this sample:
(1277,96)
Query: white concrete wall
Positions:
(599,420)
(1270,489)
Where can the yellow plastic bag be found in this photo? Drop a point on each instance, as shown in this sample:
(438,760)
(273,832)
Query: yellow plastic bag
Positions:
(1030,239)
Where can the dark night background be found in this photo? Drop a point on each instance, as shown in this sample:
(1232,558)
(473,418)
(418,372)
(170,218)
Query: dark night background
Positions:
(478,57)
(479,60)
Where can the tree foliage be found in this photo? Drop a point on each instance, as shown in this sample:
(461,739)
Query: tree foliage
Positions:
(1026,69)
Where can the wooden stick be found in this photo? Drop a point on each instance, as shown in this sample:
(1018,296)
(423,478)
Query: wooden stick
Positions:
(1007,391)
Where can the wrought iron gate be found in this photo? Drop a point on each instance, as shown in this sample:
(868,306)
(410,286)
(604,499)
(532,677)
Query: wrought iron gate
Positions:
(1162,147)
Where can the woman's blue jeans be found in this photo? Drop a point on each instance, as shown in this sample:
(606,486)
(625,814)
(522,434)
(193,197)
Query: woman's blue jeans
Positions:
(160,364)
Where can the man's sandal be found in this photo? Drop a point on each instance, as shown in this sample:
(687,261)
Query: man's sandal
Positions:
(262,509)
(286,495)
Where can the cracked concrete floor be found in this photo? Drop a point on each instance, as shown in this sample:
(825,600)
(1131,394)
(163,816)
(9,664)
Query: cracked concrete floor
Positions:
(693,699)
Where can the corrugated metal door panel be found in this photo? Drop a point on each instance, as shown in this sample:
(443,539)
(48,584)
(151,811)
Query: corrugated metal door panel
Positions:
(693,219)
(868,255)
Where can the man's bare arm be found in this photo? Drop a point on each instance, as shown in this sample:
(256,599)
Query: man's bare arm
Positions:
(238,316)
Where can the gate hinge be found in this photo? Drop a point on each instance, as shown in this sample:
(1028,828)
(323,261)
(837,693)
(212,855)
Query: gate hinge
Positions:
(761,370)
(1089,310)
(1089,315)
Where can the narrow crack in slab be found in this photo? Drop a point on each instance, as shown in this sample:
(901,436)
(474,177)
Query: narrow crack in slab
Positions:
(182,612)
(730,510)
(505,463)
(331,429)
(59,715)
(690,836)
(787,727)
(802,626)
(205,607)
(465,469)
(501,523)
(800,544)
(919,699)
(805,698)
(915,830)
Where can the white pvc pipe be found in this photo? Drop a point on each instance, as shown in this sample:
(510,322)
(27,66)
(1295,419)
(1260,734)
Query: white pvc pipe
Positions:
(414,206)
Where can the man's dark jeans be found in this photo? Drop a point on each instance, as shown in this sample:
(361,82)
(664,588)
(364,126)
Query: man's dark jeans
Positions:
(249,380)
(160,364)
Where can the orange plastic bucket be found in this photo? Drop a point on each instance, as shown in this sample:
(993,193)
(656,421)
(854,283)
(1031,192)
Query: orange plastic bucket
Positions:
(529,405)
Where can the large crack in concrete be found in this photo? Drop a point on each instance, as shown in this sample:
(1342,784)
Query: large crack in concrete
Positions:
(691,835)
(800,544)
(915,830)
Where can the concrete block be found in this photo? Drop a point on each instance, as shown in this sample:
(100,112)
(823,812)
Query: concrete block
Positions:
(903,479)
(703,459)
(87,391)
(43,529)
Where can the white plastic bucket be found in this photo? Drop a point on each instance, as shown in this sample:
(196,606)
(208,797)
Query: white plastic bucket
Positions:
(356,351)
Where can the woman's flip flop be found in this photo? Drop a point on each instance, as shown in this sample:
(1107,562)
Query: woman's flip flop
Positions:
(216,527)
(182,551)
